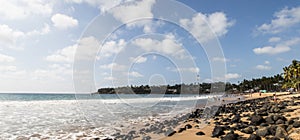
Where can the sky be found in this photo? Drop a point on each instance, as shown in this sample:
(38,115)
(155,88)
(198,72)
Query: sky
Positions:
(81,45)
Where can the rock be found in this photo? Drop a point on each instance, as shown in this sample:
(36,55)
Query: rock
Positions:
(296,124)
(254,137)
(280,132)
(200,133)
(146,138)
(218,131)
(36,135)
(274,138)
(188,126)
(236,119)
(257,120)
(290,127)
(247,130)
(264,124)
(181,129)
(279,121)
(291,121)
(170,132)
(262,132)
(269,120)
(231,136)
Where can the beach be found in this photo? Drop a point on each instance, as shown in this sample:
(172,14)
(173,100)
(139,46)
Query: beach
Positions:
(258,117)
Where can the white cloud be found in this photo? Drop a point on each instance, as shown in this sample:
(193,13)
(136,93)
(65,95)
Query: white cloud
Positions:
(103,5)
(271,50)
(262,67)
(9,35)
(229,76)
(43,31)
(112,47)
(7,68)
(167,46)
(109,78)
(279,48)
(139,59)
(6,58)
(62,21)
(63,55)
(135,74)
(11,38)
(217,23)
(135,10)
(190,69)
(84,50)
(282,20)
(114,67)
(21,9)
(267,62)
(274,39)
(220,59)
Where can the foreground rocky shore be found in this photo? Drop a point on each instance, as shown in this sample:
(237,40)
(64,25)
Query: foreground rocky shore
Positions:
(253,119)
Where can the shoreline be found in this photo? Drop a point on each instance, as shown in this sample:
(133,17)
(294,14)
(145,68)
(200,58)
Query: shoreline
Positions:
(232,129)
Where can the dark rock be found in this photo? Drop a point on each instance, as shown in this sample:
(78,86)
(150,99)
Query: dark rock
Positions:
(257,120)
(218,131)
(296,124)
(272,129)
(279,121)
(264,124)
(269,120)
(247,130)
(291,121)
(181,129)
(290,127)
(170,132)
(146,138)
(236,119)
(200,133)
(262,132)
(188,126)
(254,137)
(107,139)
(132,132)
(231,136)
(274,138)
(280,132)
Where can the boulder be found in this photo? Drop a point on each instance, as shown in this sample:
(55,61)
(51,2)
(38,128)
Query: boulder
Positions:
(200,133)
(280,132)
(170,132)
(296,124)
(188,126)
(218,131)
(231,136)
(247,130)
(257,120)
(262,132)
(254,137)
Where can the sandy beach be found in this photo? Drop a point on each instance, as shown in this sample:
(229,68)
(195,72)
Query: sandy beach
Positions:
(235,129)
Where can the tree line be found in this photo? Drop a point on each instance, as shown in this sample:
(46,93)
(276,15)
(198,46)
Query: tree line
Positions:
(290,78)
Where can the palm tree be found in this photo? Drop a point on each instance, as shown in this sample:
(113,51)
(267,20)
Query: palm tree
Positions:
(292,75)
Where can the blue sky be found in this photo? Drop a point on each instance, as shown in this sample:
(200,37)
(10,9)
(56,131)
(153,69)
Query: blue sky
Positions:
(39,39)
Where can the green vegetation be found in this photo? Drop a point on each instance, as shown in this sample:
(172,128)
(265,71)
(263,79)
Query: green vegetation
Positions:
(280,82)
(291,75)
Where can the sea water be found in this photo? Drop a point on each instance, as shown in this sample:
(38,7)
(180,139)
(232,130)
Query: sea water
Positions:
(64,116)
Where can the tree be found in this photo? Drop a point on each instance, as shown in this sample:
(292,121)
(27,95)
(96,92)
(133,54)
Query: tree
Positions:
(292,75)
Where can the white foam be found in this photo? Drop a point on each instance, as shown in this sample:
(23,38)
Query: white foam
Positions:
(66,119)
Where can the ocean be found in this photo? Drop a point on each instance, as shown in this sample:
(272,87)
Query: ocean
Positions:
(71,116)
